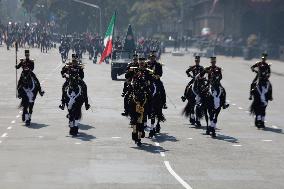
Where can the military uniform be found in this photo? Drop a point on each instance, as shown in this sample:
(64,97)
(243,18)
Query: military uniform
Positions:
(28,66)
(131,69)
(195,70)
(262,68)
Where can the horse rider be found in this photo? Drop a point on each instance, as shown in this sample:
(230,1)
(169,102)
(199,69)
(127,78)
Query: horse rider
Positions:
(157,69)
(130,72)
(260,67)
(215,76)
(76,69)
(192,72)
(28,66)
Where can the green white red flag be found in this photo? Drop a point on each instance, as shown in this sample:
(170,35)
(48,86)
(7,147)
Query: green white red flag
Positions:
(108,39)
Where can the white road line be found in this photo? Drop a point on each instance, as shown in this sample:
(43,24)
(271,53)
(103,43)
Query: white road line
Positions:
(157,144)
(4,135)
(17,116)
(20,112)
(234,104)
(9,128)
(240,108)
(266,140)
(274,127)
(189,138)
(116,137)
(247,112)
(177,177)
(237,145)
(13,121)
(0,141)
(163,154)
(78,143)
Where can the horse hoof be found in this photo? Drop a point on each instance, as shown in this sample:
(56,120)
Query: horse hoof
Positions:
(151,134)
(158,129)
(28,123)
(139,143)
(192,121)
(143,134)
(198,124)
(207,132)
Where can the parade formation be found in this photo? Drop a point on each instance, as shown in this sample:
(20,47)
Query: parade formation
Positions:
(141,94)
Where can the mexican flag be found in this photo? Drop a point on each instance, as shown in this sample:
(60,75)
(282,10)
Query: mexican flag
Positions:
(108,39)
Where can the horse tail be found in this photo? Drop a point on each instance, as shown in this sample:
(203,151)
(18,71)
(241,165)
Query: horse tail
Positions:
(252,108)
(187,109)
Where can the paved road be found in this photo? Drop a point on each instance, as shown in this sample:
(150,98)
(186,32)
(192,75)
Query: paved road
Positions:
(44,156)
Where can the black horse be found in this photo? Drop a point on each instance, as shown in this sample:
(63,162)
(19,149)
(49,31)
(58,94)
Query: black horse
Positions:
(139,108)
(155,110)
(28,89)
(215,100)
(73,98)
(196,107)
(262,93)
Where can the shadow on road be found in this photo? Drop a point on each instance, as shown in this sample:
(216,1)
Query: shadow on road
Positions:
(273,130)
(85,127)
(164,137)
(37,126)
(226,138)
(85,137)
(150,148)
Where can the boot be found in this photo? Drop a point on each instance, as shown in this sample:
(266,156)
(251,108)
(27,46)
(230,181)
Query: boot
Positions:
(87,106)
(183,98)
(41,93)
(139,142)
(165,106)
(151,134)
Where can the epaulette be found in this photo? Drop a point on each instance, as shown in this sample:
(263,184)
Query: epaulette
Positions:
(133,67)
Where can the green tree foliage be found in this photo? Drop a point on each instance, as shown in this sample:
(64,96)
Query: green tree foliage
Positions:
(142,14)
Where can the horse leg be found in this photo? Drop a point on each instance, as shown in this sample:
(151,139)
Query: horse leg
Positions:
(197,116)
(152,128)
(140,133)
(30,111)
(134,133)
(263,109)
(207,125)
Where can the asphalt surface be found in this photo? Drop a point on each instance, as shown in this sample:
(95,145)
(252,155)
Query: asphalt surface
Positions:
(44,156)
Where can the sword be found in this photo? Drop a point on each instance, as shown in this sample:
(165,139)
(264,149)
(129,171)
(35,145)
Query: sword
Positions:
(16,48)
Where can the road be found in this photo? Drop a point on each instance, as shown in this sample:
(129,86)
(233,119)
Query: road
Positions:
(44,156)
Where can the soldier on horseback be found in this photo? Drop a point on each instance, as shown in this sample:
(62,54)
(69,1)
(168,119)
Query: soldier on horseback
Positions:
(28,66)
(214,75)
(192,72)
(76,69)
(130,72)
(157,70)
(260,68)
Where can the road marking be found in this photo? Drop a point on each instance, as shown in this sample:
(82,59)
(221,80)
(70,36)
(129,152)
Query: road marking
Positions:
(247,112)
(266,140)
(237,145)
(4,135)
(177,177)
(40,136)
(189,138)
(9,128)
(240,108)
(0,141)
(17,116)
(13,121)
(116,137)
(234,104)
(162,154)
(157,144)
(274,127)
(78,143)
(20,112)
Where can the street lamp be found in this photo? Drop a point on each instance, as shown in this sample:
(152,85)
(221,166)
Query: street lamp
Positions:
(94,6)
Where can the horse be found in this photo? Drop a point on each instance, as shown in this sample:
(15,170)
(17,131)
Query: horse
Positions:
(73,98)
(195,108)
(28,89)
(156,110)
(138,108)
(216,99)
(261,93)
